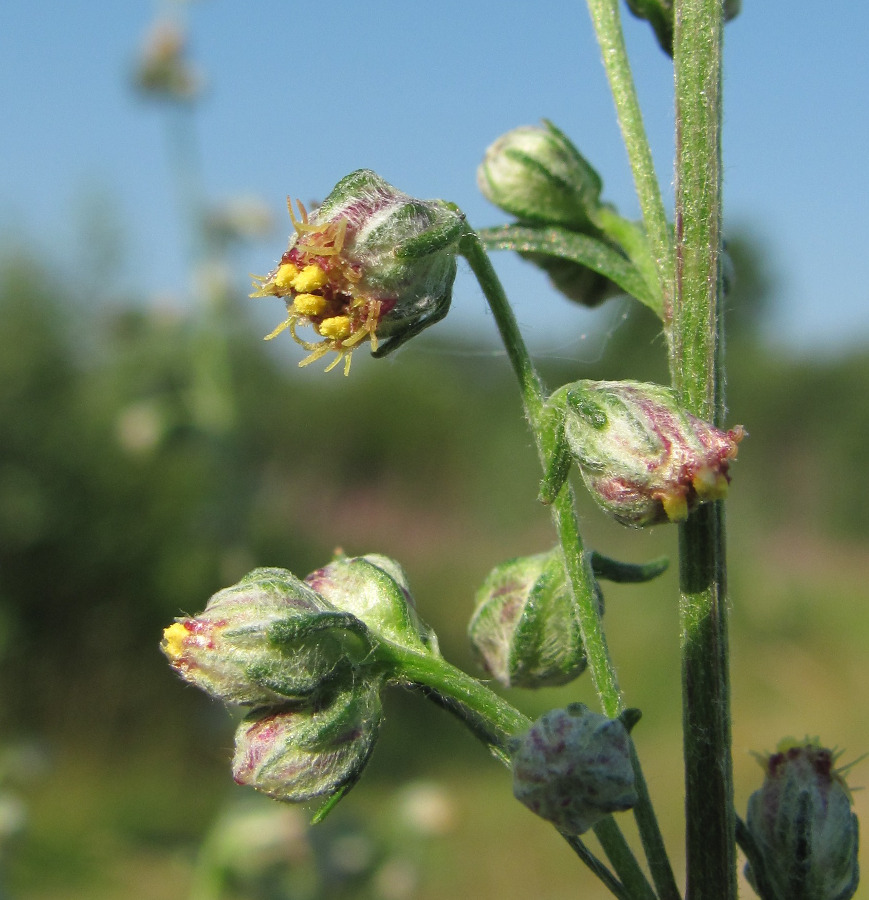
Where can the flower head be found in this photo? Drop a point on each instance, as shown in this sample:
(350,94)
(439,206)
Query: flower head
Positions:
(803,826)
(370,263)
(573,767)
(644,458)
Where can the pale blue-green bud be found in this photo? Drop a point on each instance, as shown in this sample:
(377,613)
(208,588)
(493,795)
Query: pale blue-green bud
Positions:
(374,589)
(297,754)
(644,458)
(370,263)
(803,826)
(573,767)
(525,627)
(266,639)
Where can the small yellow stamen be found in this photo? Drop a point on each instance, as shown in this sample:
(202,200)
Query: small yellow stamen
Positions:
(337,328)
(173,640)
(311,278)
(285,277)
(309,304)
(675,506)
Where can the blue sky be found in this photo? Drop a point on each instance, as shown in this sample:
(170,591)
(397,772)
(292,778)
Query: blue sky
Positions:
(301,94)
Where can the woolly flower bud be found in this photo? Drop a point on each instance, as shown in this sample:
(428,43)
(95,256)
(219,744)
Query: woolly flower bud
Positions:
(370,263)
(537,175)
(266,639)
(803,827)
(643,458)
(573,767)
(297,754)
(525,627)
(374,589)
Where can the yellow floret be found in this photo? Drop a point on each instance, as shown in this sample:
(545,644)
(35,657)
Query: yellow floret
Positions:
(285,276)
(311,278)
(710,485)
(309,304)
(337,328)
(675,506)
(173,638)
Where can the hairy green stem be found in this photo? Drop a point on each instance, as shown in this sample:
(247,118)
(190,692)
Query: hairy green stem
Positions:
(607,25)
(496,722)
(577,560)
(696,369)
(622,859)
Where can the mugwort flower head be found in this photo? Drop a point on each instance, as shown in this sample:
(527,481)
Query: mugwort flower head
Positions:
(803,826)
(642,456)
(370,263)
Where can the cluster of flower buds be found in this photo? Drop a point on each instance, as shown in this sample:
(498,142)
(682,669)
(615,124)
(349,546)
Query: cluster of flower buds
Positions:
(537,175)
(525,627)
(642,456)
(369,263)
(311,657)
(802,826)
(573,767)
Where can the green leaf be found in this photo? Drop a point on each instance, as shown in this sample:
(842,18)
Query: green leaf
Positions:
(578,248)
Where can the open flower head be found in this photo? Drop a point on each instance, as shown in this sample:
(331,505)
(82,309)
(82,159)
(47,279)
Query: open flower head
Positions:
(370,263)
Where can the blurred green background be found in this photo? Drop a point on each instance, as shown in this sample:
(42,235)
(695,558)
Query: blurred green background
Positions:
(152,452)
(126,499)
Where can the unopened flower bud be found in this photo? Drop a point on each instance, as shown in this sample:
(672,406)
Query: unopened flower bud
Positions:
(538,175)
(163,70)
(525,627)
(803,827)
(370,263)
(297,754)
(573,767)
(374,589)
(644,458)
(266,639)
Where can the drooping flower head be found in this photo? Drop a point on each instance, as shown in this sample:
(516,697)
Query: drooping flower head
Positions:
(370,263)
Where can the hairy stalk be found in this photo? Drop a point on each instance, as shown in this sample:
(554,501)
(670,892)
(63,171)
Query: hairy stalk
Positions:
(577,560)
(607,25)
(696,369)
(495,722)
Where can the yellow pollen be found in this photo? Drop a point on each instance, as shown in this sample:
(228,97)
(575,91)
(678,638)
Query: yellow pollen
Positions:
(285,276)
(173,640)
(311,278)
(337,328)
(675,506)
(309,304)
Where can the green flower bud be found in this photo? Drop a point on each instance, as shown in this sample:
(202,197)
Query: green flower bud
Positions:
(803,827)
(374,589)
(538,175)
(297,754)
(266,639)
(525,627)
(573,767)
(370,263)
(643,458)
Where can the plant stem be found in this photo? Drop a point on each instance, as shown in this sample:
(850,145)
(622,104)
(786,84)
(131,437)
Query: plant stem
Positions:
(577,561)
(607,25)
(696,370)
(494,721)
(622,859)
